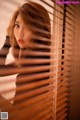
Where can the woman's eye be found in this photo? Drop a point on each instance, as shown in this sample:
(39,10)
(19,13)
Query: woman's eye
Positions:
(16,25)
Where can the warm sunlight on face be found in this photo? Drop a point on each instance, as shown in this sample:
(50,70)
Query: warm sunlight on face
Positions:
(22,33)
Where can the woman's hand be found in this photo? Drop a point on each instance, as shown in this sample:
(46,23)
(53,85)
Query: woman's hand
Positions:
(4,50)
(7,42)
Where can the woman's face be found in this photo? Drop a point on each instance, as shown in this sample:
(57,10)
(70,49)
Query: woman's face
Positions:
(22,33)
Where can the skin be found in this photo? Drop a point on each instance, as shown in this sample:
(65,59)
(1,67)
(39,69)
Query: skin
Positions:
(22,33)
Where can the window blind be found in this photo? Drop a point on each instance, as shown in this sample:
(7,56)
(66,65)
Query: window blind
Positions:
(35,92)
(64,37)
(45,85)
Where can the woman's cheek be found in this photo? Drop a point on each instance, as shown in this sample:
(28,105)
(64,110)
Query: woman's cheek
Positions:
(15,34)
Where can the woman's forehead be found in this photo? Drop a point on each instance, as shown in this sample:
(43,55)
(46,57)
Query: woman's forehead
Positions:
(19,18)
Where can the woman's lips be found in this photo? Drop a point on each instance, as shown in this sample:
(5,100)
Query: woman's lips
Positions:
(21,41)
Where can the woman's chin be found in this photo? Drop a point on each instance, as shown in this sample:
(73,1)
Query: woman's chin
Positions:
(22,47)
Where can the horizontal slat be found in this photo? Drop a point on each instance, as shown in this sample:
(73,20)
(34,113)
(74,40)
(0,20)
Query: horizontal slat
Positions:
(69,31)
(70,27)
(38,112)
(68,43)
(50,4)
(35,99)
(61,113)
(10,70)
(59,8)
(36,83)
(71,9)
(25,86)
(35,76)
(64,95)
(69,22)
(28,70)
(39,105)
(46,6)
(34,92)
(43,113)
(61,107)
(22,112)
(48,116)
(63,83)
(66,48)
(63,116)
(70,16)
(59,103)
(63,90)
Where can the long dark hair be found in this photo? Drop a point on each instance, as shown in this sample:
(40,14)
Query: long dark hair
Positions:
(37,18)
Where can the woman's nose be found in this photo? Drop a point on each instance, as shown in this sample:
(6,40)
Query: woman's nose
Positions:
(21,33)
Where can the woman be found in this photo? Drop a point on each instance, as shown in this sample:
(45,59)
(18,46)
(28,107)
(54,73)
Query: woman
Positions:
(28,30)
